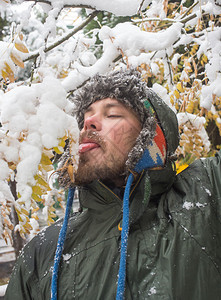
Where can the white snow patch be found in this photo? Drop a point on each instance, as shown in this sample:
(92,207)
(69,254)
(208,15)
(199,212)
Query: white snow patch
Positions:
(187,205)
(66,256)
(3,289)
(208,91)
(152,291)
(208,191)
(198,204)
(162,92)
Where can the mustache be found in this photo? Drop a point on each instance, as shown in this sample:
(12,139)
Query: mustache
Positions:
(93,136)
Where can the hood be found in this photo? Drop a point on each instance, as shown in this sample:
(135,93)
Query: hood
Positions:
(159,136)
(167,120)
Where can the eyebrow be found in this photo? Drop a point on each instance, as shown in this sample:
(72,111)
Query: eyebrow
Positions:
(107,106)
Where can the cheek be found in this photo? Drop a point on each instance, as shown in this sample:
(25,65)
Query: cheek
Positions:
(122,138)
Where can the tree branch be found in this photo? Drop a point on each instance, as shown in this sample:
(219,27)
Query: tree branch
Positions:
(140,7)
(66,37)
(170,71)
(189,9)
(168,20)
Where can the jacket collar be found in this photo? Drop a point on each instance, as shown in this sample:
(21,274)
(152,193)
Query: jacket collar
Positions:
(96,196)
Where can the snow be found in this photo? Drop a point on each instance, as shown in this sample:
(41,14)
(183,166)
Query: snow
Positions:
(162,92)
(4,53)
(152,291)
(198,204)
(214,88)
(209,7)
(5,171)
(187,205)
(117,7)
(195,120)
(131,40)
(174,60)
(37,115)
(208,192)
(3,289)
(66,256)
(5,191)
(210,44)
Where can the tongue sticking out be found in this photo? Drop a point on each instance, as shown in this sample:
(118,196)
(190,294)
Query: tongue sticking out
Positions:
(84,147)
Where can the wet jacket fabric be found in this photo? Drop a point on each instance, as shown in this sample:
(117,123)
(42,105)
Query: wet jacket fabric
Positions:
(174,246)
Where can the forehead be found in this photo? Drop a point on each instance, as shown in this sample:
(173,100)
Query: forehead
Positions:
(105,104)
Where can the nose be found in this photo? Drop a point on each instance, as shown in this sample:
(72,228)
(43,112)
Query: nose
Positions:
(92,123)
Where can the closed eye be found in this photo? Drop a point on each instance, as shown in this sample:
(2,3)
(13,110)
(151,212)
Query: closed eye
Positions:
(114,116)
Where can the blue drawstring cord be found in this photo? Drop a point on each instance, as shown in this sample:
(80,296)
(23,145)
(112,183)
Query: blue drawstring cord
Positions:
(60,244)
(124,240)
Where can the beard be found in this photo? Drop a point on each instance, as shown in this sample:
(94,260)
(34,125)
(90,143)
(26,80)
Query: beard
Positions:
(88,172)
(105,165)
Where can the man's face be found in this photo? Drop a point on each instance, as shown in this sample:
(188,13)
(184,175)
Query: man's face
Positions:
(109,133)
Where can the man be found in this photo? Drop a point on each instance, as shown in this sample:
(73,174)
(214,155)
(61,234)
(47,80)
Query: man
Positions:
(173,249)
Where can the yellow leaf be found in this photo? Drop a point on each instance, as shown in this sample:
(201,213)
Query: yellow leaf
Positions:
(8,68)
(19,217)
(24,211)
(11,77)
(53,215)
(194,49)
(62,142)
(45,160)
(37,190)
(4,75)
(42,182)
(204,58)
(52,209)
(36,197)
(21,47)
(27,226)
(9,72)
(47,168)
(19,195)
(35,217)
(17,60)
(12,165)
(179,86)
(34,210)
(176,77)
(177,94)
(8,223)
(50,220)
(58,150)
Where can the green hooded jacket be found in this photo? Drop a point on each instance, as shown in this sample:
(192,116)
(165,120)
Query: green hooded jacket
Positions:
(174,245)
